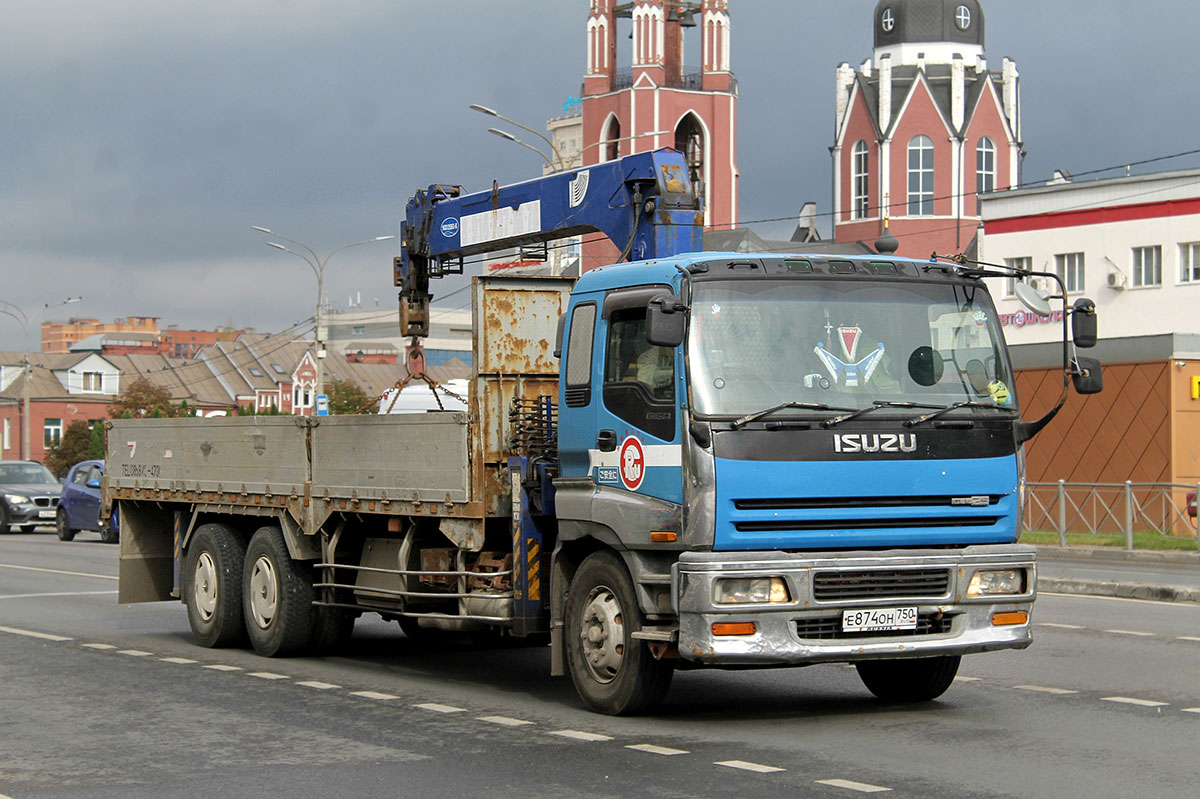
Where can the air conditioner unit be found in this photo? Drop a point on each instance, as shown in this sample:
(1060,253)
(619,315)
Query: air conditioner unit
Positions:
(1116,280)
(1035,283)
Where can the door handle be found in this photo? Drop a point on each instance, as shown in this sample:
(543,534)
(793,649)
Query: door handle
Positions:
(606,441)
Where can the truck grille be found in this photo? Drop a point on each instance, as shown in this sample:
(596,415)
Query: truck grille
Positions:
(833,586)
(830,627)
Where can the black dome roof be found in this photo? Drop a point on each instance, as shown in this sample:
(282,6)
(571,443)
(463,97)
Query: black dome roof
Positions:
(901,21)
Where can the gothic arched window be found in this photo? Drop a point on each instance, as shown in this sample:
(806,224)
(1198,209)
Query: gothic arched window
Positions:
(860,181)
(985,165)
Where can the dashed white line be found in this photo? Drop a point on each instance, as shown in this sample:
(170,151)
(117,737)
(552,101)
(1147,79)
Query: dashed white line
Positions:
(580,735)
(320,686)
(373,695)
(1130,632)
(32,634)
(657,750)
(1044,689)
(57,571)
(1186,638)
(861,787)
(99,646)
(181,661)
(1131,701)
(1191,709)
(135,653)
(436,708)
(744,766)
(961,678)
(1060,626)
(223,667)
(54,594)
(506,721)
(267,675)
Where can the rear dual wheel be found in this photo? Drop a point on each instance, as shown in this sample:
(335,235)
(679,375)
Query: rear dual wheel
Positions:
(212,585)
(277,597)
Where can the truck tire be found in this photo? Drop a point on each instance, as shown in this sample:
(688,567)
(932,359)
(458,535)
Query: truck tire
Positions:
(332,628)
(109,534)
(212,585)
(613,672)
(62,526)
(909,680)
(277,596)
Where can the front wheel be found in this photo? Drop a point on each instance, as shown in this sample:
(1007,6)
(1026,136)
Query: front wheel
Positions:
(277,596)
(62,526)
(613,672)
(909,680)
(212,585)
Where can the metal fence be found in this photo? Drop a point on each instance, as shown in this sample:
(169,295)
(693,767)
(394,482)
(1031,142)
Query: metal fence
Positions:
(1109,509)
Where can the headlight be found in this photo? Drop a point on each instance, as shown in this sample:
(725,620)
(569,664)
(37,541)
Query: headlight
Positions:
(998,583)
(16,499)
(750,590)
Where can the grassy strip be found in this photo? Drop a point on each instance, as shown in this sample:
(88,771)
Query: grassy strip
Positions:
(1142,540)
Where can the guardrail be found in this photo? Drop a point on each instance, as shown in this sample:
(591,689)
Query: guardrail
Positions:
(1109,509)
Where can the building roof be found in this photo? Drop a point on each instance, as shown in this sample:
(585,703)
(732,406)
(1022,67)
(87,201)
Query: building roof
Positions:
(911,21)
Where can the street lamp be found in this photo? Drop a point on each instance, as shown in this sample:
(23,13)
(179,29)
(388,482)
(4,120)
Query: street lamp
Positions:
(25,321)
(483,109)
(555,167)
(317,264)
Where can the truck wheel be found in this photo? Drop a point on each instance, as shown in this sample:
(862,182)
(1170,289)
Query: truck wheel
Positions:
(65,533)
(212,585)
(109,534)
(911,680)
(613,672)
(332,628)
(277,596)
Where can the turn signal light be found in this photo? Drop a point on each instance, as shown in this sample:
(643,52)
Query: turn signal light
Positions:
(663,537)
(1009,617)
(734,628)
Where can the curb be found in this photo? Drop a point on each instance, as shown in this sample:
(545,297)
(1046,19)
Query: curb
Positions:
(1157,593)
(1120,555)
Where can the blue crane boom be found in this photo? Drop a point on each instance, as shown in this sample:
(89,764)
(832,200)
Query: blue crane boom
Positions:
(644,203)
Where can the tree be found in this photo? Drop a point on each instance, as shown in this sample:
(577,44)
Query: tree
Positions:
(71,449)
(97,442)
(345,397)
(142,398)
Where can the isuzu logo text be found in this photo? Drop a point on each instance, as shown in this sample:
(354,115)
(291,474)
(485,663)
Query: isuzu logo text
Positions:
(874,442)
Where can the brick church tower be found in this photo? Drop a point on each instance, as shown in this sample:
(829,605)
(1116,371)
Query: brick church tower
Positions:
(923,128)
(659,101)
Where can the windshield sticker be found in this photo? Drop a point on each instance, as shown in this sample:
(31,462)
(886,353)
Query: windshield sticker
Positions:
(999,392)
(849,374)
(980,318)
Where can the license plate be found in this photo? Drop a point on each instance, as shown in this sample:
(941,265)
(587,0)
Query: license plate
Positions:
(45,514)
(879,620)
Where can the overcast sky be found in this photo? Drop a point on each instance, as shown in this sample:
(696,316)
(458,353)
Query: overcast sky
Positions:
(140,139)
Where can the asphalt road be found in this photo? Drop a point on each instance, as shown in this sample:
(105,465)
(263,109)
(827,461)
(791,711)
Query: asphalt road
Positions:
(101,700)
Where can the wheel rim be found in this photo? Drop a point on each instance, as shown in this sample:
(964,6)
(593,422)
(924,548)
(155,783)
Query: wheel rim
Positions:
(602,635)
(204,586)
(264,599)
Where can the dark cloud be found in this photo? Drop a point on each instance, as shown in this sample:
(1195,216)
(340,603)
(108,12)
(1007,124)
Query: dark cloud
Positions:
(141,139)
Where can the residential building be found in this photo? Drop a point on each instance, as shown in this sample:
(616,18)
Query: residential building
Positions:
(61,336)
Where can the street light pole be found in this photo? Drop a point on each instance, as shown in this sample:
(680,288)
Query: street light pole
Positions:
(483,109)
(25,321)
(554,167)
(317,264)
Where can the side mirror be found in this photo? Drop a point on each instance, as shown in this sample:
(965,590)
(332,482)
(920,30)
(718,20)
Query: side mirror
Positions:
(93,484)
(1083,322)
(666,321)
(1086,376)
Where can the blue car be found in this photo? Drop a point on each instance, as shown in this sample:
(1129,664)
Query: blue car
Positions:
(79,508)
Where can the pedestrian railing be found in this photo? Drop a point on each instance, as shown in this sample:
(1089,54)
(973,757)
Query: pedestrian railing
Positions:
(1109,509)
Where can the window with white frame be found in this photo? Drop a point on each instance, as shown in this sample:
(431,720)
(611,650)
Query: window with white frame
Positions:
(860,202)
(1025,264)
(1147,266)
(51,432)
(7,439)
(93,381)
(920,176)
(1189,262)
(1070,268)
(985,166)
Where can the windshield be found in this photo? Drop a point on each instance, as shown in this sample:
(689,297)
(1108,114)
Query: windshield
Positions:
(756,344)
(25,474)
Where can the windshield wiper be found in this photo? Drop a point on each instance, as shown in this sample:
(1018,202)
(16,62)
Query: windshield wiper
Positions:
(876,405)
(942,411)
(806,406)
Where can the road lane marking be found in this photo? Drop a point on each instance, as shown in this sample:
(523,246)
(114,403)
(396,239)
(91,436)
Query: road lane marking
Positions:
(657,750)
(745,766)
(963,678)
(134,653)
(861,787)
(373,695)
(580,735)
(1163,602)
(181,661)
(1191,710)
(506,721)
(99,646)
(57,571)
(32,634)
(320,686)
(1045,690)
(1060,626)
(1130,701)
(1186,638)
(268,675)
(54,594)
(223,667)
(436,708)
(1130,632)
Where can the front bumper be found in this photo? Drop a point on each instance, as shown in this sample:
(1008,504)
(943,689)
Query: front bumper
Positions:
(808,628)
(39,510)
